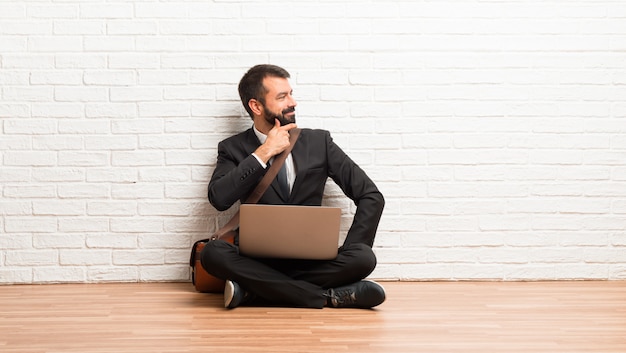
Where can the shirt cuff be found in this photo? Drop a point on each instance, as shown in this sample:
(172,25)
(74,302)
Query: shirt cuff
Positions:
(260,161)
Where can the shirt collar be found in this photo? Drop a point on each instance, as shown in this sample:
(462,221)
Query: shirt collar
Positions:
(262,137)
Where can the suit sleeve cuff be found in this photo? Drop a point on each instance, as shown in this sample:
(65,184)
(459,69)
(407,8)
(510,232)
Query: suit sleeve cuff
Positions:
(260,161)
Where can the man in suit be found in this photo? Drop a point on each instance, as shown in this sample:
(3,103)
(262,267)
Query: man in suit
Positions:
(241,163)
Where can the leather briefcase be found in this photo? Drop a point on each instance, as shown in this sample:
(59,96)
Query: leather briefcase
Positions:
(202,280)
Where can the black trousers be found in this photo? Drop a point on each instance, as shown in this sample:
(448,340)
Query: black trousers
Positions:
(295,283)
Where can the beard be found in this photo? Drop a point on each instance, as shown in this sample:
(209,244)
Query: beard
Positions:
(271,116)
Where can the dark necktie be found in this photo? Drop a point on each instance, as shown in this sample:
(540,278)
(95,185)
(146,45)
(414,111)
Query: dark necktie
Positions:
(282,181)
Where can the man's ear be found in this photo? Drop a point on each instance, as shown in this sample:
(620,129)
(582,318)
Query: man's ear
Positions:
(255,106)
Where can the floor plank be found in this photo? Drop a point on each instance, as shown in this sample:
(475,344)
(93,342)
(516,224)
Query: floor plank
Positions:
(570,317)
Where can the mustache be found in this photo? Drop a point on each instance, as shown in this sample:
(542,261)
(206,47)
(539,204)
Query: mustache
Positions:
(289,110)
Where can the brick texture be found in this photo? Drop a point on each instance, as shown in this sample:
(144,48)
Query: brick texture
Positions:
(495,129)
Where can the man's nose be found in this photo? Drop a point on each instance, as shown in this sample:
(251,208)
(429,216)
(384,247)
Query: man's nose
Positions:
(292,101)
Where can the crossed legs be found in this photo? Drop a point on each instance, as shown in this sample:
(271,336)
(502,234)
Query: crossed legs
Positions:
(298,283)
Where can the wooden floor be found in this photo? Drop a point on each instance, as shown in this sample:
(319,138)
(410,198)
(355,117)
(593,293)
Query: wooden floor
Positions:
(417,317)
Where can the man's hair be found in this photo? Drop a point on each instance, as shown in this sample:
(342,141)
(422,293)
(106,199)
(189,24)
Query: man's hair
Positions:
(251,84)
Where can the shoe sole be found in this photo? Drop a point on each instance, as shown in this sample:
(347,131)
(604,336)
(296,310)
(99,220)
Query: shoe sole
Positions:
(229,293)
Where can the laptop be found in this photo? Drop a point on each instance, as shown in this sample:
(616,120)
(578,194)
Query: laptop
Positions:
(289,231)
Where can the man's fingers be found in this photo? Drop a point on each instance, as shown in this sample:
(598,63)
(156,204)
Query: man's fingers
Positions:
(289,126)
(285,127)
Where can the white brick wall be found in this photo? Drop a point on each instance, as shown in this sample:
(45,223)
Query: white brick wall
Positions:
(495,129)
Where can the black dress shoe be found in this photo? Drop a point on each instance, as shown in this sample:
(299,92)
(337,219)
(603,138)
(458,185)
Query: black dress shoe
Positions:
(363,294)
(234,295)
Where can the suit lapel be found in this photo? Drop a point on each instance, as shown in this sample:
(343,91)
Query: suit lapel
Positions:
(276,188)
(300,155)
(251,142)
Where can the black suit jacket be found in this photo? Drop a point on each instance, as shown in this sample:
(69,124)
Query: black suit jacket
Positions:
(316,157)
